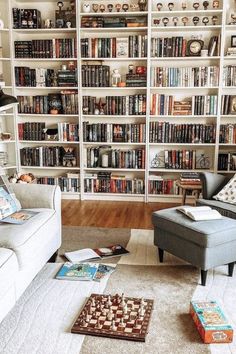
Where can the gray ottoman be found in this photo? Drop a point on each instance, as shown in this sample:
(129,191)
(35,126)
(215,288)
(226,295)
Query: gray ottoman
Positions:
(204,244)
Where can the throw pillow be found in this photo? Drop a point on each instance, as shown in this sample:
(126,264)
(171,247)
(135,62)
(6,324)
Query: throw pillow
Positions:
(228,193)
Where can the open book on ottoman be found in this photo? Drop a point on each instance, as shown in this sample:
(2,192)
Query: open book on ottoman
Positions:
(200,213)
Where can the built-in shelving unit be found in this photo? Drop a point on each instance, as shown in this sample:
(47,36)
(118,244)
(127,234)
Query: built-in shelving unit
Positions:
(148,149)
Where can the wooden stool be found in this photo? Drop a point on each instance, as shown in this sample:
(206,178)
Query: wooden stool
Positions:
(189,187)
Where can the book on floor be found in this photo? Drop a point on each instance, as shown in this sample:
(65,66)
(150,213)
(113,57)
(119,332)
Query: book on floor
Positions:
(103,271)
(77,271)
(97,253)
(200,213)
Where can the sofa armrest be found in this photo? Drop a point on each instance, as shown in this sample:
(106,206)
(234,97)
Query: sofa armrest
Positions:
(211,184)
(38,196)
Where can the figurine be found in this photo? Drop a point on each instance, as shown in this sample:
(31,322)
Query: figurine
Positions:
(115,78)
(118,7)
(205,20)
(68,24)
(205,4)
(134,7)
(156,21)
(184,5)
(171,6)
(196,5)
(159,6)
(196,20)
(165,21)
(214,20)
(185,20)
(86,7)
(125,7)
(216,4)
(175,20)
(60,5)
(110,7)
(102,8)
(95,7)
(142,5)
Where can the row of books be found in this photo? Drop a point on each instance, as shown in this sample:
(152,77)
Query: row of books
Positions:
(227,161)
(48,156)
(165,132)
(228,104)
(134,46)
(157,185)
(177,46)
(37,131)
(65,102)
(117,133)
(229,75)
(179,159)
(107,182)
(185,77)
(40,77)
(46,48)
(113,22)
(115,105)
(68,184)
(115,158)
(227,134)
(95,75)
(26,18)
(196,105)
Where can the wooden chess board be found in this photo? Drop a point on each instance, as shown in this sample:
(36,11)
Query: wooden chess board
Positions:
(114,317)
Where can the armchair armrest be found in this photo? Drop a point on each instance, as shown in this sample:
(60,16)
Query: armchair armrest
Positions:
(211,184)
(38,196)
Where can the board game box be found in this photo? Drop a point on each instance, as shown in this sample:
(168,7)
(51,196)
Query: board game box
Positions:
(211,322)
(114,317)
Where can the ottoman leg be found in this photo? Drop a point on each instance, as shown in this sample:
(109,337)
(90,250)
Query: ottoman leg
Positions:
(161,254)
(203,277)
(230,269)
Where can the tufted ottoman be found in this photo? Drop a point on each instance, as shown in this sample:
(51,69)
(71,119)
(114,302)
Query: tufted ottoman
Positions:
(204,244)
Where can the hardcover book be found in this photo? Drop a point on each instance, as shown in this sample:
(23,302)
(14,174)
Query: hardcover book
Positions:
(77,271)
(200,213)
(103,271)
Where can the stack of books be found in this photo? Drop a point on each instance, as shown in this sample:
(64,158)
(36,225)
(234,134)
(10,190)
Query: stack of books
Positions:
(192,178)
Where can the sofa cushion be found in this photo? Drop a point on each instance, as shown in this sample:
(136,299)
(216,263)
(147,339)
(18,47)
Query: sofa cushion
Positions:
(8,270)
(225,209)
(25,239)
(208,233)
(228,193)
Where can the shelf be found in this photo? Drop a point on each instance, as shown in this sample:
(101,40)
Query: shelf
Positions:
(112,143)
(7,141)
(114,88)
(114,29)
(47,115)
(230,28)
(40,31)
(5,59)
(6,114)
(184,144)
(231,172)
(115,13)
(228,116)
(48,142)
(4,30)
(222,145)
(114,169)
(114,59)
(49,168)
(176,171)
(44,59)
(186,88)
(185,58)
(185,28)
(187,117)
(8,167)
(113,116)
(230,57)
(188,12)
(46,88)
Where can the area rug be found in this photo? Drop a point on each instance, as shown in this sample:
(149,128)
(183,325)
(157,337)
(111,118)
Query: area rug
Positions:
(40,322)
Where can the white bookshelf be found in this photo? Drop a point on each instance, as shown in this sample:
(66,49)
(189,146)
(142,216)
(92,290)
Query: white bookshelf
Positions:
(47,7)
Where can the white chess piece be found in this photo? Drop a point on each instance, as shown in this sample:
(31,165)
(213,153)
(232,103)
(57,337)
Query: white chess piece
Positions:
(125,308)
(109,301)
(122,322)
(113,326)
(110,315)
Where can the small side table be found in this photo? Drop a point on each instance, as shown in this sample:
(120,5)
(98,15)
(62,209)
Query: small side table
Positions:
(189,187)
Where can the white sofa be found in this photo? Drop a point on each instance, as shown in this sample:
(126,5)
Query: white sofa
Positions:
(24,249)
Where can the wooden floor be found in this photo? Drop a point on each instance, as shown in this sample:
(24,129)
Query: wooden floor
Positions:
(129,215)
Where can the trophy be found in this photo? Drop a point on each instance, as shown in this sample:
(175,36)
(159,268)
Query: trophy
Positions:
(184,5)
(196,5)
(185,20)
(196,20)
(125,7)
(205,20)
(95,7)
(175,20)
(216,4)
(171,6)
(159,6)
(214,20)
(165,21)
(110,7)
(205,4)
(118,7)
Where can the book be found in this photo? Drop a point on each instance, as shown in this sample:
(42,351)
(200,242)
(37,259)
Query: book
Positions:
(92,254)
(200,213)
(103,271)
(19,217)
(77,271)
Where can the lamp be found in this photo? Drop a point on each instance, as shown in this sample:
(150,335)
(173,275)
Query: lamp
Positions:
(6,101)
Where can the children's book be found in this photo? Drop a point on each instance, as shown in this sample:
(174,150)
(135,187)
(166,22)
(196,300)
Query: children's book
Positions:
(77,271)
(97,253)
(19,217)
(103,271)
(200,213)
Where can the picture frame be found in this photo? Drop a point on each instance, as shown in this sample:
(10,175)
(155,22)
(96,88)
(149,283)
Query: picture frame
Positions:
(233,41)
(232,109)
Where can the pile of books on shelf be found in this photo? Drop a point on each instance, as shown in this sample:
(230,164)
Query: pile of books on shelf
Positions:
(112,22)
(182,108)
(190,178)
(231,51)
(228,104)
(229,75)
(68,183)
(227,161)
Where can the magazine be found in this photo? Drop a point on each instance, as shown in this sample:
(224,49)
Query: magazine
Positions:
(97,253)
(103,271)
(19,217)
(77,271)
(200,213)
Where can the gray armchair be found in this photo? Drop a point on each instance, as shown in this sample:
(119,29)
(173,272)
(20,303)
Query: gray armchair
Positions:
(212,183)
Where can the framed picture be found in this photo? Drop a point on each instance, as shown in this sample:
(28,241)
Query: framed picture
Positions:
(233,41)
(232,109)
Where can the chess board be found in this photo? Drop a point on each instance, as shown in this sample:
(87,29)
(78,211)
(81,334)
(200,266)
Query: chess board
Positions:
(114,317)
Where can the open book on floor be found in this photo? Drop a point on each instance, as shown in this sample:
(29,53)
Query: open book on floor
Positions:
(79,271)
(200,213)
(97,253)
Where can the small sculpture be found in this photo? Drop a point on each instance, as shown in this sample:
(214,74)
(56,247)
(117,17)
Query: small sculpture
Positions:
(205,4)
(118,7)
(110,7)
(196,20)
(196,5)
(165,21)
(175,20)
(125,7)
(205,20)
(185,20)
(214,20)
(86,7)
(102,8)
(184,5)
(171,6)
(216,4)
(95,7)
(142,5)
(159,6)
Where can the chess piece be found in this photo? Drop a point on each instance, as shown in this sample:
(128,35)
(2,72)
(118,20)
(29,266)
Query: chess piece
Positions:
(159,6)
(125,7)
(175,20)
(214,20)
(185,20)
(109,302)
(205,4)
(113,325)
(93,302)
(95,7)
(110,315)
(205,20)
(122,322)
(125,309)
(104,312)
(171,6)
(110,7)
(215,4)
(184,5)
(196,5)
(142,311)
(165,21)
(196,20)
